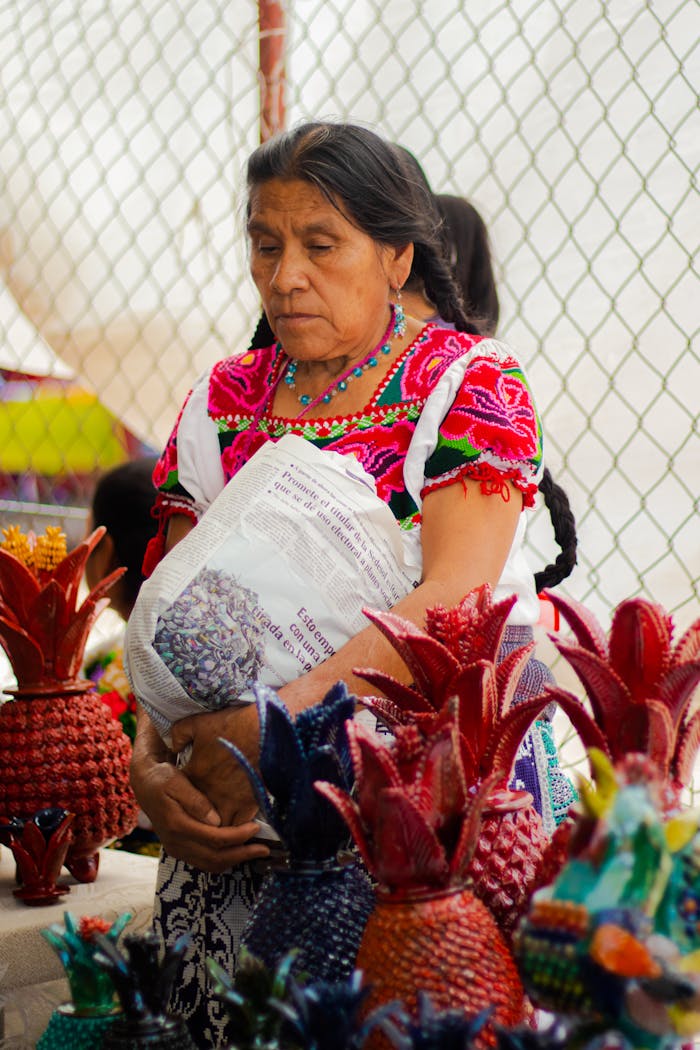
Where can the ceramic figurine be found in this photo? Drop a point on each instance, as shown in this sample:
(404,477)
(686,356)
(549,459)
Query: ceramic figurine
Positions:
(59,747)
(143,976)
(433,1029)
(614,944)
(323,1015)
(81,1023)
(318,898)
(252,999)
(39,846)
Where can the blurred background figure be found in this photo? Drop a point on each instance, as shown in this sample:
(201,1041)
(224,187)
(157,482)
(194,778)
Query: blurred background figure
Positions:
(466,248)
(122,502)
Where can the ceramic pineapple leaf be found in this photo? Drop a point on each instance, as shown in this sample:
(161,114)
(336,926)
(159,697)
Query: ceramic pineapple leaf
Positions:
(606,692)
(408,698)
(350,812)
(431,1029)
(326,1015)
(677,688)
(18,587)
(71,641)
(688,646)
(662,735)
(512,727)
(640,640)
(508,673)
(385,711)
(475,685)
(428,661)
(406,851)
(375,768)
(686,749)
(27,657)
(261,796)
(469,834)
(587,631)
(439,788)
(281,754)
(68,574)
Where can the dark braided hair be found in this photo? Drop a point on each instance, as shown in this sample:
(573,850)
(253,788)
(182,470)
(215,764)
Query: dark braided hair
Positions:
(378,191)
(557,503)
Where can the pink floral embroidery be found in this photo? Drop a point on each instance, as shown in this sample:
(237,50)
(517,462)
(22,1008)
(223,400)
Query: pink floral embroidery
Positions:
(493,410)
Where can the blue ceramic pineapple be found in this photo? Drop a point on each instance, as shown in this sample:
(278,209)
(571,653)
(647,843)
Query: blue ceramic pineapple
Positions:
(318,898)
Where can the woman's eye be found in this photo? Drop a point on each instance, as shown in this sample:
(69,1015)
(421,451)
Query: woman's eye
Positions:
(319,247)
(265,249)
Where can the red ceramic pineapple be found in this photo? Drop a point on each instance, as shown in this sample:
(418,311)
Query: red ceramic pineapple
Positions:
(415,822)
(640,687)
(454,661)
(59,746)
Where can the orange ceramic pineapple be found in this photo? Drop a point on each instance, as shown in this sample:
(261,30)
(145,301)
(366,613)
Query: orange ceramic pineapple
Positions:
(59,747)
(415,822)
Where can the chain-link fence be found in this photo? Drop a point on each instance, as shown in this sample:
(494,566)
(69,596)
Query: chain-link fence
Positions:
(573,126)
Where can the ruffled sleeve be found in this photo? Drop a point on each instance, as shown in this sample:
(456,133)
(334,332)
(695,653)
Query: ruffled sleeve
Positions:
(490,430)
(188,476)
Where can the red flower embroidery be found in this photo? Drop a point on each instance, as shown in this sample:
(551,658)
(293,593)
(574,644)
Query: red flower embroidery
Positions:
(243,381)
(493,410)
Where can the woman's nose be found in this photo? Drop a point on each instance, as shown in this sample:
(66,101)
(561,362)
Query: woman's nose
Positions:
(290,273)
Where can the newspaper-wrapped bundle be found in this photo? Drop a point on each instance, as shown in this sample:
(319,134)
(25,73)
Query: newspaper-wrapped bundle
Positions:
(270,583)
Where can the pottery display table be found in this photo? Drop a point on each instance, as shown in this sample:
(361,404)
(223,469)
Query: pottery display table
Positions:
(32,981)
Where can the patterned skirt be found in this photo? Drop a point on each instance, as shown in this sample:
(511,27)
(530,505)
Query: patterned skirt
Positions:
(213,909)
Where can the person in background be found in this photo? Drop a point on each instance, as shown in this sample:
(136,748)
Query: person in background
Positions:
(466,245)
(122,501)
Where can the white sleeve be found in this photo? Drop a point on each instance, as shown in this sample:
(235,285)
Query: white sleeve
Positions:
(198,453)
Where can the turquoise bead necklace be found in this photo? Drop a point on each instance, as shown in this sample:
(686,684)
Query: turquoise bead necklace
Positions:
(395,329)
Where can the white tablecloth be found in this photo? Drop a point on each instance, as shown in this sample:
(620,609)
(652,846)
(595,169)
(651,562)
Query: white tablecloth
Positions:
(32,981)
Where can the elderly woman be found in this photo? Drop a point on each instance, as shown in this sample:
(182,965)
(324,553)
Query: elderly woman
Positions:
(441,422)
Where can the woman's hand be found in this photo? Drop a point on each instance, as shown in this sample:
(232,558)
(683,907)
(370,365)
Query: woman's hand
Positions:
(212,768)
(184,819)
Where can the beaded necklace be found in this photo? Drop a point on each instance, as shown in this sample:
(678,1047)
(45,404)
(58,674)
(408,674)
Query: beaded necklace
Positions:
(395,329)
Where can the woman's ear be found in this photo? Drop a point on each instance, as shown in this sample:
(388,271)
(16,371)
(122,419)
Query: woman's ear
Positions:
(398,265)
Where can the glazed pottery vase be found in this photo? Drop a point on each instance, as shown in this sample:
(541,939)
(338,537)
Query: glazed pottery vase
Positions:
(70,1030)
(320,910)
(446,944)
(59,746)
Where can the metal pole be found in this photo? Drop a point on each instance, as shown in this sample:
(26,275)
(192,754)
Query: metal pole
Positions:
(271,22)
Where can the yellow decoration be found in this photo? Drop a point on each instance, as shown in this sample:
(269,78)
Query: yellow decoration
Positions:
(17,544)
(689,963)
(39,553)
(50,549)
(599,799)
(679,831)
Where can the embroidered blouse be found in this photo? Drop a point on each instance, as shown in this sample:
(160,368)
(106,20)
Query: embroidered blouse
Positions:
(453,406)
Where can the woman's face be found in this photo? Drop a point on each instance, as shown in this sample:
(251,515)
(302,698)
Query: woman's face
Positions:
(324,283)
